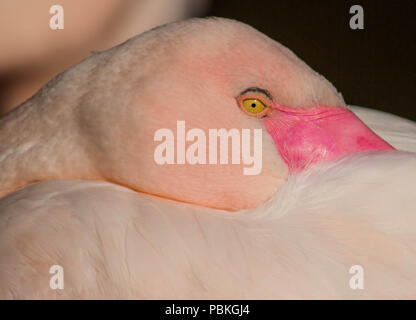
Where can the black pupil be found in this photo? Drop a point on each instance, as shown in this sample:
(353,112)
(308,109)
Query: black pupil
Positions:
(253,105)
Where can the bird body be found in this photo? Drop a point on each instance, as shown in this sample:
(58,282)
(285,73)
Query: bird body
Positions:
(115,243)
(81,189)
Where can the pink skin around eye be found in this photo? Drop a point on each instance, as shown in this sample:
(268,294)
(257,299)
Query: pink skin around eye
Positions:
(320,134)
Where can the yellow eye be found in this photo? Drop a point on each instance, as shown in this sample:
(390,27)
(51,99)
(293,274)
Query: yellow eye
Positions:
(255,102)
(253,106)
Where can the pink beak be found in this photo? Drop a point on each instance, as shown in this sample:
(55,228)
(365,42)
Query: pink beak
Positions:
(321,134)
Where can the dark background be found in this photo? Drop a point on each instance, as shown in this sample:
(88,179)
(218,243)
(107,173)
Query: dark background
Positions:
(374,67)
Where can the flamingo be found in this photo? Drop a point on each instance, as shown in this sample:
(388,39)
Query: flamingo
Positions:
(80,187)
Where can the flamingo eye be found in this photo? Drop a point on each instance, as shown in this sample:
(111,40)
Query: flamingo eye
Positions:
(253,106)
(254,102)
